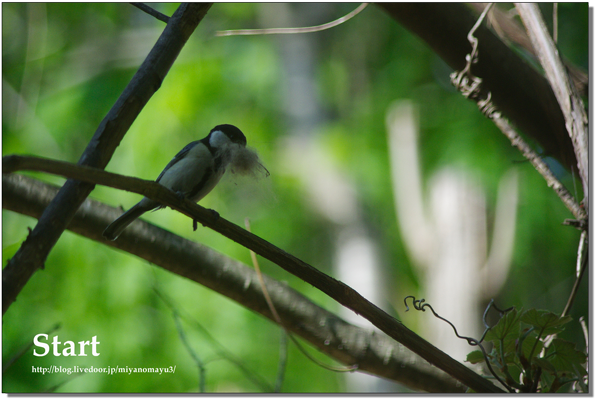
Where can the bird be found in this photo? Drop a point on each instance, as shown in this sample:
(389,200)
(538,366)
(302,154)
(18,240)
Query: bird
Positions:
(192,173)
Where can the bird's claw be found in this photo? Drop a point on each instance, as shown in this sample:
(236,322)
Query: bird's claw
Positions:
(215,214)
(180,195)
(215,217)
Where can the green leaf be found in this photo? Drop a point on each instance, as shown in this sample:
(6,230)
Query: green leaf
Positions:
(514,373)
(475,357)
(545,322)
(507,327)
(580,373)
(546,381)
(543,363)
(503,335)
(531,346)
(566,358)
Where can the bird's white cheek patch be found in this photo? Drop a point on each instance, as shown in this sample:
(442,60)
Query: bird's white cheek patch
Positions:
(218,139)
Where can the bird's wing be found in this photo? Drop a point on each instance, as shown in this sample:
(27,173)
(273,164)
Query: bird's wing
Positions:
(177,158)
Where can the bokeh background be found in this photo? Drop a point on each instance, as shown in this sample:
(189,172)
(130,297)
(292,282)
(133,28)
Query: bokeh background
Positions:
(315,107)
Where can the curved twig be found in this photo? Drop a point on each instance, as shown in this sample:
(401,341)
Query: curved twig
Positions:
(420,305)
(582,263)
(301,30)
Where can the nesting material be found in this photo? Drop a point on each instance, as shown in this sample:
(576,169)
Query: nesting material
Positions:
(245,161)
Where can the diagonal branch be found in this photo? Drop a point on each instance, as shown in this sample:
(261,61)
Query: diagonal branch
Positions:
(149,10)
(330,286)
(538,163)
(570,103)
(374,352)
(147,80)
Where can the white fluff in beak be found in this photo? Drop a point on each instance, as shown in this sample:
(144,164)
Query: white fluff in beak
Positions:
(245,161)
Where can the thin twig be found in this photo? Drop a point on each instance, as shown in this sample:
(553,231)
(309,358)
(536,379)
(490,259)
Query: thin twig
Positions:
(53,389)
(539,164)
(582,262)
(20,353)
(283,342)
(555,22)
(261,280)
(470,36)
(221,351)
(420,305)
(278,319)
(466,82)
(586,336)
(580,266)
(149,10)
(182,336)
(301,30)
(201,366)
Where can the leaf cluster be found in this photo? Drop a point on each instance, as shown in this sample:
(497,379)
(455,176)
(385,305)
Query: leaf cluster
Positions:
(529,357)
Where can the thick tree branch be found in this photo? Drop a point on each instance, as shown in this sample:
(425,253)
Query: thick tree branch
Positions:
(330,286)
(374,353)
(143,85)
(520,93)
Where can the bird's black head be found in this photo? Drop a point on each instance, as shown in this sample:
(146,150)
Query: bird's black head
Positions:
(234,134)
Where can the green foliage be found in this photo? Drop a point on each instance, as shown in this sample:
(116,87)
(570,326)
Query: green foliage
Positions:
(527,355)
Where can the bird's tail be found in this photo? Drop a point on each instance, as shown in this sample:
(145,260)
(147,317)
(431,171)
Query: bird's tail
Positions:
(115,229)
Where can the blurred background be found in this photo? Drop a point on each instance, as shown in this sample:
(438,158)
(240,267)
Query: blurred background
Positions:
(382,176)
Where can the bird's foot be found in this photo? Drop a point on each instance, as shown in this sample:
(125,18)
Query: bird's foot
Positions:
(215,216)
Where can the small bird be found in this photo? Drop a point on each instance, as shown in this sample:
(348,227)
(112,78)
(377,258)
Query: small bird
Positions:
(193,172)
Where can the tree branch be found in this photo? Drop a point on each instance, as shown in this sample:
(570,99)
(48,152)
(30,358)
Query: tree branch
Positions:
(470,87)
(330,286)
(509,30)
(538,163)
(520,92)
(570,103)
(374,353)
(149,10)
(143,85)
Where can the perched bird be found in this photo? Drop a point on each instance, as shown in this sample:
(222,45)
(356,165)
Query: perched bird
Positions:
(194,171)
